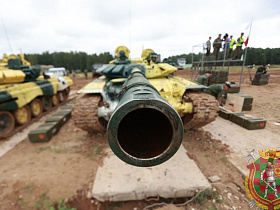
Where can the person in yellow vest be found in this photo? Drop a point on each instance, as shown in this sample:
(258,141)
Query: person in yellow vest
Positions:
(232,42)
(239,44)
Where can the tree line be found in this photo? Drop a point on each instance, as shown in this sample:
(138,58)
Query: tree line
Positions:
(82,60)
(257,56)
(69,60)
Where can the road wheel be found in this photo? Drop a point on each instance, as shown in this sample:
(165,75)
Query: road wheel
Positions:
(7,123)
(47,103)
(36,107)
(22,115)
(55,100)
(62,97)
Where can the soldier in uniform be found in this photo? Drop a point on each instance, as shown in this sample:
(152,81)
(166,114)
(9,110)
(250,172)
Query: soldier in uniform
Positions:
(269,170)
(204,79)
(217,44)
(218,90)
(261,69)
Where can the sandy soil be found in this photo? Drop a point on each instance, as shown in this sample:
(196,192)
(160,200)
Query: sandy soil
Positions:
(33,176)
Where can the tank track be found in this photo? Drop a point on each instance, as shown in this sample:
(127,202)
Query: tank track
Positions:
(85,114)
(205,110)
(33,120)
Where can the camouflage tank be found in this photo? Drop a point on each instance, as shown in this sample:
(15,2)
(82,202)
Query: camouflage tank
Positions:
(103,98)
(26,93)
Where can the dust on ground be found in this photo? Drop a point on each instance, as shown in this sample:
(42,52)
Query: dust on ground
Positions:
(35,176)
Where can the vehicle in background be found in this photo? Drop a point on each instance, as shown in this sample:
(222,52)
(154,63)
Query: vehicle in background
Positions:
(25,92)
(181,62)
(59,71)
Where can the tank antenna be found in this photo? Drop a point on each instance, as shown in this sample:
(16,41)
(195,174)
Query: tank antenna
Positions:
(6,34)
(129,24)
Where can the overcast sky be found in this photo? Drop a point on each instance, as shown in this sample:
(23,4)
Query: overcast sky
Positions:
(169,27)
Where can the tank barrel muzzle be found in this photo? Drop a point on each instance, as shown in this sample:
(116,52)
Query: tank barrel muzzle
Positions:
(144,129)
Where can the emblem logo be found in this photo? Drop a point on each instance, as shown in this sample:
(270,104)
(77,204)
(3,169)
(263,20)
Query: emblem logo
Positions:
(263,182)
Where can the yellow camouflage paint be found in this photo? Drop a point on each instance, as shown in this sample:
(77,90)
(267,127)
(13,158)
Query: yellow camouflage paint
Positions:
(11,76)
(172,90)
(26,92)
(93,86)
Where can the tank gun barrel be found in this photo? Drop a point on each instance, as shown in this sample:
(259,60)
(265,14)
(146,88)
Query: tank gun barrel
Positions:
(144,129)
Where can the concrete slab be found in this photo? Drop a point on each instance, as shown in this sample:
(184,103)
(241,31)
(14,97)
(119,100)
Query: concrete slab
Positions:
(242,141)
(177,177)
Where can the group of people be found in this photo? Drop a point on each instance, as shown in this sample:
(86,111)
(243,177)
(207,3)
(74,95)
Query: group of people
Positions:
(229,42)
(219,90)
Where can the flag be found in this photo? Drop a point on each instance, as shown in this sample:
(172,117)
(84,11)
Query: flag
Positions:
(248,27)
(246,42)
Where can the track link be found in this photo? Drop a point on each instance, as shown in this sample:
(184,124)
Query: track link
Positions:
(33,120)
(205,110)
(85,114)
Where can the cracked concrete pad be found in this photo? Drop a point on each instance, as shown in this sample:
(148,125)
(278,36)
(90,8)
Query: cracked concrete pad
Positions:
(177,177)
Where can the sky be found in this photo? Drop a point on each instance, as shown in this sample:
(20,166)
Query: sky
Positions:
(169,27)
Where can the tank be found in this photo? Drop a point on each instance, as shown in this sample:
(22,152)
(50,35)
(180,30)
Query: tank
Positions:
(26,93)
(104,95)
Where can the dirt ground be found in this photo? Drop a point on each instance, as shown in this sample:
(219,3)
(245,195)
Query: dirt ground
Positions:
(62,171)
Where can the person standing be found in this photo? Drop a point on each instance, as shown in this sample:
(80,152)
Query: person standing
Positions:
(232,42)
(208,46)
(226,44)
(239,44)
(217,44)
(85,72)
(204,79)
(73,74)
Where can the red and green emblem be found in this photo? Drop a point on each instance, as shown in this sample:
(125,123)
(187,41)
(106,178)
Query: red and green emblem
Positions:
(260,188)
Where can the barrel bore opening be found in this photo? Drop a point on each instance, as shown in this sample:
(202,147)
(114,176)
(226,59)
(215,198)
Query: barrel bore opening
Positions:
(145,133)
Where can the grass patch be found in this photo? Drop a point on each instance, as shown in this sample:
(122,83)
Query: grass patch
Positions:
(96,150)
(225,159)
(29,188)
(45,148)
(45,203)
(203,197)
(61,205)
(82,138)
(60,151)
